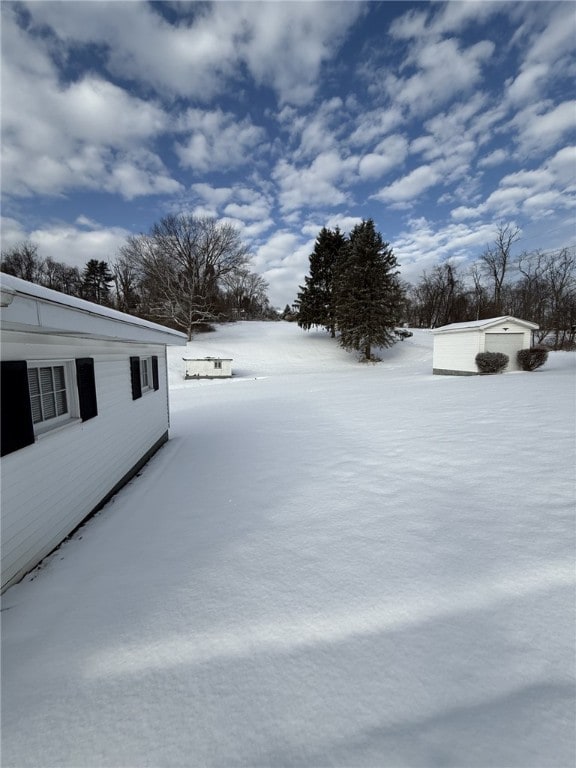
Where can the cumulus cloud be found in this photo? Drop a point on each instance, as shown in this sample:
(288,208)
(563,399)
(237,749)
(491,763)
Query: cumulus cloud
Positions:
(540,127)
(537,193)
(443,70)
(216,139)
(68,243)
(494,158)
(84,134)
(423,244)
(317,185)
(388,154)
(409,187)
(199,53)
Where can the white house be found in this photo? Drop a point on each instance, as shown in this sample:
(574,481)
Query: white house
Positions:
(84,405)
(456,345)
(208,367)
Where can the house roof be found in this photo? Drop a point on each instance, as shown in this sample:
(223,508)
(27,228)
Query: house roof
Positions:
(481,325)
(33,308)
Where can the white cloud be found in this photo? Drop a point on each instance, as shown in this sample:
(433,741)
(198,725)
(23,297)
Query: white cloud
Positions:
(215,196)
(411,186)
(12,232)
(525,87)
(389,153)
(537,193)
(424,244)
(318,131)
(73,245)
(372,125)
(442,72)
(494,158)
(283,45)
(286,44)
(85,134)
(248,211)
(318,185)
(541,128)
(217,140)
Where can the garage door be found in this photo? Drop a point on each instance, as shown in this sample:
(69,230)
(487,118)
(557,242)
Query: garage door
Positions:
(508,343)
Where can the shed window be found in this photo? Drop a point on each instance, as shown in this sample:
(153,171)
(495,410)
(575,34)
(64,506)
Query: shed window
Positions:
(218,364)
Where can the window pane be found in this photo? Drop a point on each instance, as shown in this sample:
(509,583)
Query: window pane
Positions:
(46,380)
(48,405)
(59,380)
(144,372)
(33,383)
(61,404)
(34,389)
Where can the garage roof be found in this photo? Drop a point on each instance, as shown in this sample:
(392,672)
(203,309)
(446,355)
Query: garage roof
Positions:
(480,325)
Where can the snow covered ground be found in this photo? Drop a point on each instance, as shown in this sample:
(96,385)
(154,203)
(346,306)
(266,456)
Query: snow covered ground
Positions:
(329,564)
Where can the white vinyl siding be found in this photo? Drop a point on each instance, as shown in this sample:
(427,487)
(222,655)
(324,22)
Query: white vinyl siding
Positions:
(455,348)
(207,368)
(457,351)
(51,486)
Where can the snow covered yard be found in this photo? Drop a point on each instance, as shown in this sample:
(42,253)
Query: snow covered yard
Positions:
(329,564)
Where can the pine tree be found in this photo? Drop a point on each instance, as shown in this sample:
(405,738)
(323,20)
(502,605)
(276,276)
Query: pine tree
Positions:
(369,295)
(316,305)
(96,280)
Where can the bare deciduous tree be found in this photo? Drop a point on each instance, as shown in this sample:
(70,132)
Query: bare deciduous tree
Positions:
(180,268)
(496,260)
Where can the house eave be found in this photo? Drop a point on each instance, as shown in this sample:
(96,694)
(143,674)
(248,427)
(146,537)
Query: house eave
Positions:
(35,309)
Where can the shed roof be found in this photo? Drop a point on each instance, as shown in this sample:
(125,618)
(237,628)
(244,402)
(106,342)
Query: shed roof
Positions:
(203,359)
(33,308)
(480,325)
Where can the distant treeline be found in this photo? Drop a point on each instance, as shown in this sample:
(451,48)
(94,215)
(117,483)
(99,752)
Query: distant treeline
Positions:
(187,273)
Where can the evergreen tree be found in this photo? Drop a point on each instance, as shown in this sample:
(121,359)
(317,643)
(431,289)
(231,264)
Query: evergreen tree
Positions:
(369,295)
(96,281)
(316,304)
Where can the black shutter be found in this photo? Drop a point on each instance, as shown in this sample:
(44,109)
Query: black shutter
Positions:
(86,388)
(135,378)
(17,427)
(155,380)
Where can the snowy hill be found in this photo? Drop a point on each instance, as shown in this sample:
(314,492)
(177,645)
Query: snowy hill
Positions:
(265,349)
(330,563)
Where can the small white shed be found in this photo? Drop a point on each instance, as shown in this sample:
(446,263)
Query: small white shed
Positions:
(456,345)
(208,367)
(84,404)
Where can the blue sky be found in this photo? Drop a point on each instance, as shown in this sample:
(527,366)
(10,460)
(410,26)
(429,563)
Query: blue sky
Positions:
(437,120)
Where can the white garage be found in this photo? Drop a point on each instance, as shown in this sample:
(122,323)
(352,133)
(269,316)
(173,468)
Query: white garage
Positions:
(456,345)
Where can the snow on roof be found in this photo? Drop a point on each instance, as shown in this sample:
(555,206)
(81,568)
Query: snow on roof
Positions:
(203,359)
(105,321)
(486,323)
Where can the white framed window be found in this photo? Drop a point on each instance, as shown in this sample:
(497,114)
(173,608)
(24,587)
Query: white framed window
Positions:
(218,364)
(53,394)
(146,374)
